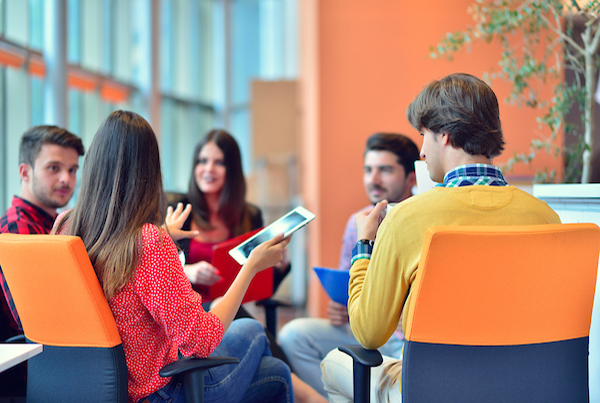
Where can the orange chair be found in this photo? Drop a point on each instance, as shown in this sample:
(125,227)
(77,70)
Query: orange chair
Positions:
(62,306)
(501,314)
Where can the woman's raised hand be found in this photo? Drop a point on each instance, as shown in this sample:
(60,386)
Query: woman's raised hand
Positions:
(175,219)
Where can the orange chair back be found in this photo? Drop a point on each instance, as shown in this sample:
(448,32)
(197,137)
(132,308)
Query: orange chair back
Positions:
(56,291)
(505,285)
(502,314)
(61,305)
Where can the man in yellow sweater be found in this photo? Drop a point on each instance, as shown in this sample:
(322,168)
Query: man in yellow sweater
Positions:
(459,119)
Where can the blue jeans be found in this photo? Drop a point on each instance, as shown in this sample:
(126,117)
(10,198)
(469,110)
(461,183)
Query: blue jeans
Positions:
(258,377)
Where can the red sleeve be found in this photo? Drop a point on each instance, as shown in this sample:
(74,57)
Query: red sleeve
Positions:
(166,292)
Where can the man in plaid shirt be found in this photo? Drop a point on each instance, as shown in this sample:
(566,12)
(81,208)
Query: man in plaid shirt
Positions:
(49,159)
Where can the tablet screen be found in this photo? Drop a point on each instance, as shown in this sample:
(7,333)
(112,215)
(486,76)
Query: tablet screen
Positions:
(284,225)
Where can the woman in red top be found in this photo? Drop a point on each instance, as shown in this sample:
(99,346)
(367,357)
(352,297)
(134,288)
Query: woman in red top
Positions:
(119,215)
(219,211)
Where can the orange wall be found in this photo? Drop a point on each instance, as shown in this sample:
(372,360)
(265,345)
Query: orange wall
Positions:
(362,63)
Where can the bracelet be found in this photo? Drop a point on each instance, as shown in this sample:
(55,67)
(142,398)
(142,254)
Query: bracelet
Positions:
(365,242)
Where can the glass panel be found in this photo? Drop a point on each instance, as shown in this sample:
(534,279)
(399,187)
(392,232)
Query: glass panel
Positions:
(183,81)
(240,129)
(18,120)
(107,33)
(17,22)
(205,54)
(74,100)
(245,47)
(75,103)
(291,42)
(184,134)
(140,38)
(37,101)
(271,38)
(121,40)
(166,146)
(166,46)
(74,31)
(37,24)
(278,23)
(182,126)
(2,5)
(93,112)
(218,54)
(91,34)
(136,103)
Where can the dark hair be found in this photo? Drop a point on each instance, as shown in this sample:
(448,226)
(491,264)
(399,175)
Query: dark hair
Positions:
(405,149)
(35,137)
(464,107)
(121,191)
(232,204)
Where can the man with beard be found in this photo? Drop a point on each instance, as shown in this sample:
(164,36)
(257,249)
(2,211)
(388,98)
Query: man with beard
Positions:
(49,159)
(48,163)
(388,174)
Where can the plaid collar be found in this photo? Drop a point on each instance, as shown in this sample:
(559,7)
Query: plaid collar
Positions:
(474,174)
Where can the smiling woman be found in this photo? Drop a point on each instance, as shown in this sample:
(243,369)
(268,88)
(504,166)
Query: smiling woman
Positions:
(217,194)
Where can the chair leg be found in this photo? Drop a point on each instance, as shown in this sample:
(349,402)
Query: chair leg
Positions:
(362,382)
(193,382)
(270,306)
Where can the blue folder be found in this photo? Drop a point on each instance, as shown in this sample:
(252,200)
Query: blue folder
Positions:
(335,283)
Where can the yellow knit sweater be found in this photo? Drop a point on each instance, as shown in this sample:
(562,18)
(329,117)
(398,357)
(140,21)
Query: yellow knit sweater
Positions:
(380,288)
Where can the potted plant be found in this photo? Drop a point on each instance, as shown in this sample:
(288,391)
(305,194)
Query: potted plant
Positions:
(543,41)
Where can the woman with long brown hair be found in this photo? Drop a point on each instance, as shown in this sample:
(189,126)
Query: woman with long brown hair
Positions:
(217,195)
(119,215)
(219,211)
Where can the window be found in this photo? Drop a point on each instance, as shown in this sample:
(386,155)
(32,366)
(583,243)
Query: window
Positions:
(206,52)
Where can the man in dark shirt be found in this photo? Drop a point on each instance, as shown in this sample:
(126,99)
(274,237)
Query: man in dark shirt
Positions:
(49,159)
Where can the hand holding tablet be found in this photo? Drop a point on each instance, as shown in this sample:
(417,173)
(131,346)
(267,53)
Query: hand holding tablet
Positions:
(288,224)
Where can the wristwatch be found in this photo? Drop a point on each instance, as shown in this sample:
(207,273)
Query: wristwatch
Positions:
(365,242)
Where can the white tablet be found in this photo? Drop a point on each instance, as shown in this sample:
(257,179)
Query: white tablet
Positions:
(289,223)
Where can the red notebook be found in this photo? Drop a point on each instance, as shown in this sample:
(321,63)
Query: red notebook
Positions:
(261,286)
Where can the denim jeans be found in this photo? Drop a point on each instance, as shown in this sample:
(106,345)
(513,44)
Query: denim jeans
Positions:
(258,377)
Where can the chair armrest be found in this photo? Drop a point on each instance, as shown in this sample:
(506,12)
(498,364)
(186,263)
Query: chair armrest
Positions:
(192,374)
(271,303)
(18,338)
(362,361)
(368,358)
(194,364)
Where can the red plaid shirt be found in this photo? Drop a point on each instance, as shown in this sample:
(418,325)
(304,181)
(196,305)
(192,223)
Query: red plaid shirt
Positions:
(21,218)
